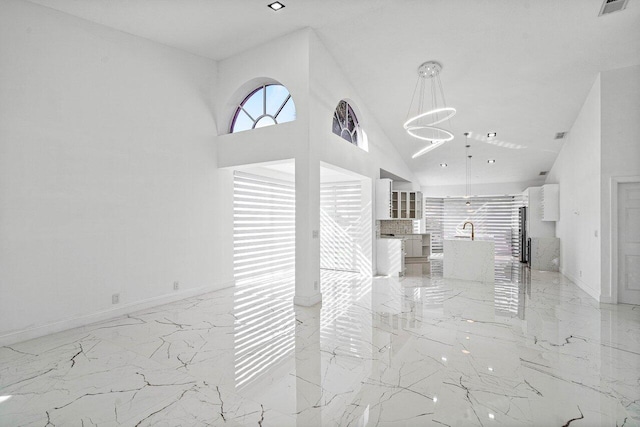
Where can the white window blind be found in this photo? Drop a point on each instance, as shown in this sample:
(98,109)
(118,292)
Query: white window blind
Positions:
(495,216)
(263,225)
(340,222)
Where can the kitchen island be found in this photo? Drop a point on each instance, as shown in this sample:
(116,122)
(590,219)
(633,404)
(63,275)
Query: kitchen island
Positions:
(467,259)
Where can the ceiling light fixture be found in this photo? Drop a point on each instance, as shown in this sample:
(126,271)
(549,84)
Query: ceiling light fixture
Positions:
(276,5)
(443,165)
(491,135)
(491,161)
(430,109)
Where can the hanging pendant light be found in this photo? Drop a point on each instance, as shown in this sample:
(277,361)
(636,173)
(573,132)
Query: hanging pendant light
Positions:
(430,109)
(468,157)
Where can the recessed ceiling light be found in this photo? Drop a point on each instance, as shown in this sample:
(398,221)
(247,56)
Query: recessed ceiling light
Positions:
(491,134)
(276,5)
(443,165)
(491,161)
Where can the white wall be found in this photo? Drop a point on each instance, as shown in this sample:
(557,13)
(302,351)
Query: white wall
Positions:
(620,148)
(602,144)
(577,170)
(108,173)
(285,61)
(328,86)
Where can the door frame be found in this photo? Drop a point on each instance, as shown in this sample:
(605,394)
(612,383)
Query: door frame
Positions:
(615,187)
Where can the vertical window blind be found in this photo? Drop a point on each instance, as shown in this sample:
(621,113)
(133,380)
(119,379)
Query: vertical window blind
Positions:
(496,216)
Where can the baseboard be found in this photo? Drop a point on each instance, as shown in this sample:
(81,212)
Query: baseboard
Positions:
(88,319)
(607,300)
(308,301)
(593,293)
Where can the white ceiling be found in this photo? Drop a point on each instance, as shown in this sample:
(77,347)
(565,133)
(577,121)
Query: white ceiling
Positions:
(518,68)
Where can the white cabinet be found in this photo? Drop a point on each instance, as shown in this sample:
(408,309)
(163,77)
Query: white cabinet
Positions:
(413,246)
(417,245)
(396,204)
(406,205)
(426,245)
(536,227)
(383,198)
(390,257)
(550,203)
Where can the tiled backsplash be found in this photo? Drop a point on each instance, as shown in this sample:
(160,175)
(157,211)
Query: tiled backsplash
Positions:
(396,227)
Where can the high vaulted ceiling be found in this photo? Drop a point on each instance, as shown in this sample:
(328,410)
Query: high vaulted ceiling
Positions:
(519,68)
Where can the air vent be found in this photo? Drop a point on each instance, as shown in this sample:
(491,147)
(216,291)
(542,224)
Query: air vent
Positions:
(611,6)
(543,173)
(560,135)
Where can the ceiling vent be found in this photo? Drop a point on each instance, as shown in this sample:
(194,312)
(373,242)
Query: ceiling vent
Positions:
(560,135)
(611,6)
(543,173)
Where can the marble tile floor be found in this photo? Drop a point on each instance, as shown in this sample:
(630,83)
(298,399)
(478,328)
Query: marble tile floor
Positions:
(530,349)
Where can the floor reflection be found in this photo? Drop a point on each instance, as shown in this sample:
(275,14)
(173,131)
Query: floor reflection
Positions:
(529,349)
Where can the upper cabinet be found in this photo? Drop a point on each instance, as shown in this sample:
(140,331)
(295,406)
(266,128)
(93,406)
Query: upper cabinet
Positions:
(383,198)
(392,204)
(550,202)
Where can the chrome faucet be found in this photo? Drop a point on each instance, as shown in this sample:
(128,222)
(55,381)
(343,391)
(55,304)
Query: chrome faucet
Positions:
(473,234)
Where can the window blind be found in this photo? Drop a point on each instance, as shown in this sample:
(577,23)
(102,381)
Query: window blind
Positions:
(263,225)
(496,216)
(340,225)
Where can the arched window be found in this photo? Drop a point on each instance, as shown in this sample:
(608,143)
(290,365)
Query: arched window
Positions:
(265,106)
(345,122)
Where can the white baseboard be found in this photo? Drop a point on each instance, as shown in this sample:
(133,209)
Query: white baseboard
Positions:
(607,299)
(308,301)
(593,293)
(87,319)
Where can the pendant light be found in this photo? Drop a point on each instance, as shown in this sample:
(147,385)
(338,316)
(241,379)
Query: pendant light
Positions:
(468,157)
(429,110)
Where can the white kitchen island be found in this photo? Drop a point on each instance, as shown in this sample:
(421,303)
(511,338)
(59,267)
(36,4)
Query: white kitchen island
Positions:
(467,259)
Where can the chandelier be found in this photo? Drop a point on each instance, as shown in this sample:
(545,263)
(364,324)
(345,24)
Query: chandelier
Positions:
(430,109)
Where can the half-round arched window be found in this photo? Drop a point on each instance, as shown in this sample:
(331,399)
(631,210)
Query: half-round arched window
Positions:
(345,122)
(265,106)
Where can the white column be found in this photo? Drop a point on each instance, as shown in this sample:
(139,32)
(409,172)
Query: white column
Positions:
(307,231)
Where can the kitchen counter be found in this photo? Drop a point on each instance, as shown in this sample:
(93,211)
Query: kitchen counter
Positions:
(467,259)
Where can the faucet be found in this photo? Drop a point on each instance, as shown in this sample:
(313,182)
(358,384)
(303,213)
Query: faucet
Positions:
(473,234)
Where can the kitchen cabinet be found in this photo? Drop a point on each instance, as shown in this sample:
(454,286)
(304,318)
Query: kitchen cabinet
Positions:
(417,245)
(536,227)
(390,255)
(383,198)
(413,245)
(392,204)
(550,202)
(406,205)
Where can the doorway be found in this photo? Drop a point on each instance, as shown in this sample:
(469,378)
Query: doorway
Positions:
(628,242)
(345,220)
